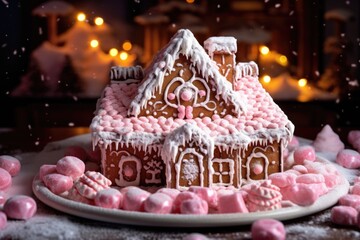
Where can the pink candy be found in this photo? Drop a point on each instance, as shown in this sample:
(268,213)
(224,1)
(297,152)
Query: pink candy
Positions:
(310,178)
(70,166)
(350,200)
(304,153)
(207,194)
(3,220)
(328,141)
(348,158)
(45,170)
(301,194)
(5,179)
(58,183)
(158,203)
(20,207)
(171,192)
(268,229)
(10,164)
(232,203)
(344,215)
(134,199)
(283,179)
(109,198)
(194,206)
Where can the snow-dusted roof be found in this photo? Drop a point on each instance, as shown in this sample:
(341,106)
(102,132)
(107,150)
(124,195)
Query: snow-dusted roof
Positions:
(183,42)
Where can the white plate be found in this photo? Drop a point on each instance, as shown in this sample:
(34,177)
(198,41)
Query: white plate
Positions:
(179,220)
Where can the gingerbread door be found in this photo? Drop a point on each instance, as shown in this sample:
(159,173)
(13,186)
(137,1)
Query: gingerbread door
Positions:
(129,171)
(189,169)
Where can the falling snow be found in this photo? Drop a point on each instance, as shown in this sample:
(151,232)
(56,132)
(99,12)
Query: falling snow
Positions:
(15,52)
(40,31)
(71,124)
(6,3)
(277,5)
(295,53)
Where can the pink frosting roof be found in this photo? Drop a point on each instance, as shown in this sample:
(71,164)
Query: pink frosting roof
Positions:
(262,120)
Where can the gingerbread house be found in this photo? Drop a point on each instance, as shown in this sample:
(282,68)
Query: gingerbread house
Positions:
(190,118)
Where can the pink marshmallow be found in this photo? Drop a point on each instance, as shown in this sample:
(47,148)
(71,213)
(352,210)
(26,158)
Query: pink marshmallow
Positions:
(207,194)
(76,151)
(294,172)
(20,207)
(350,200)
(304,153)
(301,194)
(331,180)
(109,198)
(300,168)
(171,192)
(194,206)
(270,229)
(160,203)
(182,196)
(45,170)
(348,158)
(283,179)
(310,178)
(232,203)
(134,199)
(58,183)
(3,220)
(10,164)
(70,166)
(5,179)
(344,215)
(355,189)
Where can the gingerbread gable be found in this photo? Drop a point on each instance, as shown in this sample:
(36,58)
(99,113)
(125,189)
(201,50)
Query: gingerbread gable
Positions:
(183,82)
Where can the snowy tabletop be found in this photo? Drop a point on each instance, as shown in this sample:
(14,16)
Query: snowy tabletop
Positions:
(49,223)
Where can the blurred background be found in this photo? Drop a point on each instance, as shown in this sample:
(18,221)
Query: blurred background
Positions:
(56,55)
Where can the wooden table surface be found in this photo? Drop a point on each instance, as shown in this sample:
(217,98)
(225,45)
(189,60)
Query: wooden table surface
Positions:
(316,226)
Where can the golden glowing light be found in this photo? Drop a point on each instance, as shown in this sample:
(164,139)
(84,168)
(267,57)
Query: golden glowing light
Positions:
(283,60)
(266,78)
(302,82)
(81,17)
(264,50)
(99,21)
(113,52)
(190,1)
(127,46)
(94,43)
(123,56)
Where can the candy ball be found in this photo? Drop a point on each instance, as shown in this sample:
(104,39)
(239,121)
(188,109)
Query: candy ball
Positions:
(5,179)
(58,183)
(10,164)
(348,158)
(45,170)
(268,229)
(20,207)
(70,166)
(158,203)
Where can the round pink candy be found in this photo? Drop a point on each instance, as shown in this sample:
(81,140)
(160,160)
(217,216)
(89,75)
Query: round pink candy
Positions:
(76,151)
(355,189)
(71,166)
(304,153)
(171,192)
(5,179)
(45,170)
(158,203)
(3,220)
(268,229)
(134,199)
(109,198)
(348,158)
(20,207)
(186,95)
(344,215)
(182,197)
(194,206)
(58,183)
(10,164)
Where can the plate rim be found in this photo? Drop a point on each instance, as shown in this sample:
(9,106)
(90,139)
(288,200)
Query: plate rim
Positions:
(183,220)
